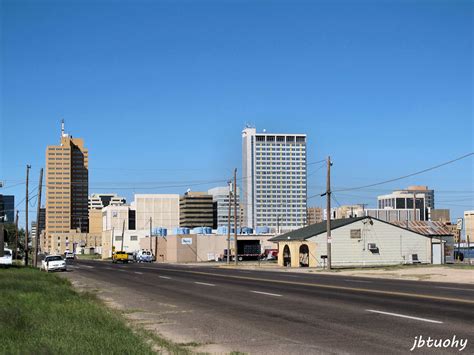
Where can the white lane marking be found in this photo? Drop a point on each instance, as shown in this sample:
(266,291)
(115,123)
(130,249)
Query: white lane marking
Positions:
(121,270)
(456,288)
(364,281)
(108,268)
(138,272)
(293,276)
(405,316)
(203,283)
(88,266)
(266,293)
(165,277)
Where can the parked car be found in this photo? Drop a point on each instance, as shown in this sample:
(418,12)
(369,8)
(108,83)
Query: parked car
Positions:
(121,256)
(53,263)
(145,256)
(69,256)
(6,259)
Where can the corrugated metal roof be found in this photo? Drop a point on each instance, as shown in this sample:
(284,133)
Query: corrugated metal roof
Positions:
(314,229)
(428,228)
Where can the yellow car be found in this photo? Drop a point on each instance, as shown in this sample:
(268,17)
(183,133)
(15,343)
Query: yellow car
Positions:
(121,256)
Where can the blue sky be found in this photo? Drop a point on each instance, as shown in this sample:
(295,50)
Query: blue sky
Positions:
(160,90)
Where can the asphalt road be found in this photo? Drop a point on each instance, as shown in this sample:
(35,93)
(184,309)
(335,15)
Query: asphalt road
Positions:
(295,313)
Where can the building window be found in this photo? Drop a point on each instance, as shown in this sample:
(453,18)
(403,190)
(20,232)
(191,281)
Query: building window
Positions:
(355,233)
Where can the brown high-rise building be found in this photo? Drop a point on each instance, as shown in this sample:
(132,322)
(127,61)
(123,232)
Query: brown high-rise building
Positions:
(195,210)
(67,185)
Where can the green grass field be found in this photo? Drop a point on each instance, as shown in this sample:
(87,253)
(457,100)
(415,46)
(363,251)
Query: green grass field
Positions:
(41,314)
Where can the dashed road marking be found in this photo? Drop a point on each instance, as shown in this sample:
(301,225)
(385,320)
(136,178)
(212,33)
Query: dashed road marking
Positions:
(203,283)
(165,277)
(267,293)
(405,316)
(88,266)
(138,272)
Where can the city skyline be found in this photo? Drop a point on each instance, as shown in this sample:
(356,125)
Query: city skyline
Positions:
(360,95)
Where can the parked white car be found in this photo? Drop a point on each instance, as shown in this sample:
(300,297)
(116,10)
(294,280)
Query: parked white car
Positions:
(6,259)
(53,263)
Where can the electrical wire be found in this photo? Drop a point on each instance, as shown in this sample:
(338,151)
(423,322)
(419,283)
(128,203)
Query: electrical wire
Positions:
(408,175)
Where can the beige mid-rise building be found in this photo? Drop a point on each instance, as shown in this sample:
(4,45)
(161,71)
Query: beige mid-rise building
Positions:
(67,184)
(314,215)
(163,209)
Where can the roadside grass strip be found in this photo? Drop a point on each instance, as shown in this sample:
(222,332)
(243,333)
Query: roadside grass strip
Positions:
(42,314)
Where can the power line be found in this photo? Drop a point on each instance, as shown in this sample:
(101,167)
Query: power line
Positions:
(407,176)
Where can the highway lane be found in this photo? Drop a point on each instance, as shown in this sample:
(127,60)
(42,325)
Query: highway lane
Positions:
(311,313)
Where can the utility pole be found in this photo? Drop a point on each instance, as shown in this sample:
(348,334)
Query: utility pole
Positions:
(228,223)
(235,215)
(28,167)
(16,235)
(151,249)
(156,247)
(414,206)
(38,210)
(112,244)
(328,214)
(123,232)
(278,224)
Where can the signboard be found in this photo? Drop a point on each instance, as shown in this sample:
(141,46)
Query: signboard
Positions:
(459,224)
(187,241)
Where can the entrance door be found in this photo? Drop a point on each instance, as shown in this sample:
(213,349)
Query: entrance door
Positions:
(436,249)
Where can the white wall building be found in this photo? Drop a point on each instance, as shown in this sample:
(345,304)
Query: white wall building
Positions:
(220,197)
(113,217)
(163,209)
(362,241)
(99,201)
(274,179)
(403,199)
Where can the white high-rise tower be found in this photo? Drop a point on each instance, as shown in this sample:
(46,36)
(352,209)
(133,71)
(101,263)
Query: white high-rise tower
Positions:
(274,179)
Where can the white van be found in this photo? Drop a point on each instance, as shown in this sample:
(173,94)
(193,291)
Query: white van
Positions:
(6,259)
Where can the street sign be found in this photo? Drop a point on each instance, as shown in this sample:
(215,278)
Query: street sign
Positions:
(187,241)
(459,224)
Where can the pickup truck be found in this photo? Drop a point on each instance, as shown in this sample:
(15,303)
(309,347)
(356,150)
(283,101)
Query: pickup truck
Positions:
(121,256)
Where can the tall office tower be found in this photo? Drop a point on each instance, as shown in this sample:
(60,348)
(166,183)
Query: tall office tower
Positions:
(274,179)
(67,185)
(220,196)
(7,209)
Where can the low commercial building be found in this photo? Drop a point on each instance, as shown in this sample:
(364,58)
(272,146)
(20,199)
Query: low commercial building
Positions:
(389,214)
(76,242)
(131,241)
(361,241)
(199,247)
